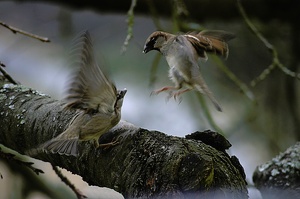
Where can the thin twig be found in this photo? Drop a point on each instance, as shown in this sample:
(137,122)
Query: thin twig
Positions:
(12,157)
(180,8)
(242,86)
(179,14)
(154,14)
(208,115)
(78,193)
(7,76)
(276,63)
(130,23)
(154,67)
(1,64)
(16,30)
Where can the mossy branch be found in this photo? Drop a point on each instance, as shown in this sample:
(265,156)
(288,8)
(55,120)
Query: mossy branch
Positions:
(130,23)
(9,155)
(145,164)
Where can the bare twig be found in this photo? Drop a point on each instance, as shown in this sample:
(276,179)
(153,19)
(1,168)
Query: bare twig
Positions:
(179,14)
(242,86)
(208,115)
(154,67)
(154,14)
(12,157)
(16,30)
(276,63)
(130,22)
(1,64)
(67,182)
(180,8)
(6,75)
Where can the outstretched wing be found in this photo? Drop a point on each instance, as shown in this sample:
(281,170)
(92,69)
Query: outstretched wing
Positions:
(212,41)
(60,146)
(89,88)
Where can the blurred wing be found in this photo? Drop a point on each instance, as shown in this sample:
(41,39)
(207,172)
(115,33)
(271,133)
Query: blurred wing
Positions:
(214,41)
(89,88)
(62,146)
(218,34)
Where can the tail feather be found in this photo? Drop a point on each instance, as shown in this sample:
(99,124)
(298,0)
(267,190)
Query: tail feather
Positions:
(202,88)
(215,102)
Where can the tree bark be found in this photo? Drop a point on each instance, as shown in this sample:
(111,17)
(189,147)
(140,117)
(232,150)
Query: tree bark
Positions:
(145,164)
(280,177)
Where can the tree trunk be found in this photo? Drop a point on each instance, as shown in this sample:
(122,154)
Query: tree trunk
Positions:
(280,177)
(145,164)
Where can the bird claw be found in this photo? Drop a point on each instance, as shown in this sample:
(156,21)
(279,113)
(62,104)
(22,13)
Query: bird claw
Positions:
(170,95)
(166,88)
(154,93)
(175,96)
(110,144)
(114,142)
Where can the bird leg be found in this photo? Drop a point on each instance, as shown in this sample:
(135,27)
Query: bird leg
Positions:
(107,145)
(110,144)
(166,88)
(176,94)
(180,92)
(171,93)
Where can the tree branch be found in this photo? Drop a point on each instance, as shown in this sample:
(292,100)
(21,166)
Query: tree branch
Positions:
(6,75)
(276,63)
(78,193)
(130,23)
(279,177)
(18,160)
(28,34)
(145,164)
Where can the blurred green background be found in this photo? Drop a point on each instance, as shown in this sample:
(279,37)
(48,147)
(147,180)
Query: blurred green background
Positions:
(258,129)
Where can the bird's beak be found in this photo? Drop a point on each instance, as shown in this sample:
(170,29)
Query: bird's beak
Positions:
(123,92)
(146,49)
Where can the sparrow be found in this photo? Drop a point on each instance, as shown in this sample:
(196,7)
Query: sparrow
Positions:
(94,97)
(182,53)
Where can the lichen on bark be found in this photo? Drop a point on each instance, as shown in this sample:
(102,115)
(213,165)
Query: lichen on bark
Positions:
(145,164)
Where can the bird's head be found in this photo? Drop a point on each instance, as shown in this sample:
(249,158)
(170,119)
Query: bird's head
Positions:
(155,41)
(120,97)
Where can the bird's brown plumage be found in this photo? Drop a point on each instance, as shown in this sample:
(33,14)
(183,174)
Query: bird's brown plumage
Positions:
(182,52)
(211,41)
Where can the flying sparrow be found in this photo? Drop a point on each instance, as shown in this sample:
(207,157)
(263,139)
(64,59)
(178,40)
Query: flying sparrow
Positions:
(182,53)
(95,98)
